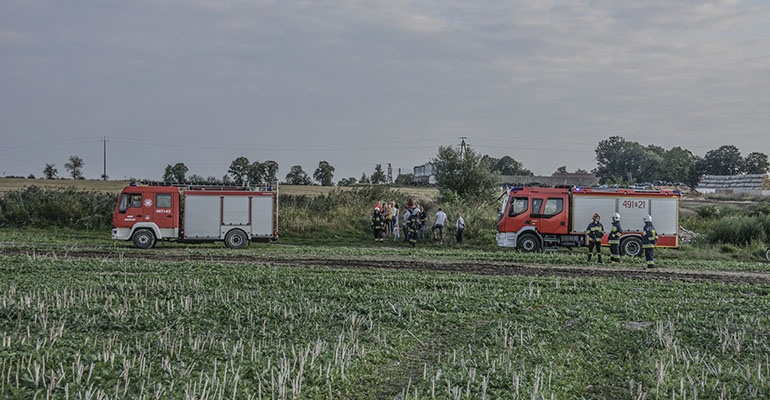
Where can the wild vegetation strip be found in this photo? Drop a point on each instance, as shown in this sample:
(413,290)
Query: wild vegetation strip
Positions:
(114,187)
(111,325)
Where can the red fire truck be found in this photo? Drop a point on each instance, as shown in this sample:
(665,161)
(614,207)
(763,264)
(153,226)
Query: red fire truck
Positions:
(146,214)
(532,219)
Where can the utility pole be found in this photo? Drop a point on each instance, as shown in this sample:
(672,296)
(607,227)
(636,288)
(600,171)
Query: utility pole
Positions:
(104,174)
(462,147)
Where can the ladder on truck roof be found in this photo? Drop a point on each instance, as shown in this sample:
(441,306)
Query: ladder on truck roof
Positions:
(272,187)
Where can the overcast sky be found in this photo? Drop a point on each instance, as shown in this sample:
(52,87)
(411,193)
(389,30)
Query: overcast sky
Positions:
(360,83)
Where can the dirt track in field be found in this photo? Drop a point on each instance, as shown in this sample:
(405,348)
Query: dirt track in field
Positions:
(477,268)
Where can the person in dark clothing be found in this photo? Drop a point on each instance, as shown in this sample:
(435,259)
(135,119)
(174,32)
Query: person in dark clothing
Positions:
(423,221)
(378,224)
(614,239)
(413,226)
(595,233)
(649,239)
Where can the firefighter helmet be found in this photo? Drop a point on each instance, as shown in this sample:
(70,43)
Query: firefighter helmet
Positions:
(616,217)
(648,218)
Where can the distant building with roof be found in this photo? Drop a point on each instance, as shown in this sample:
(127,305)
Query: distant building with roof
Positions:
(756,184)
(425,174)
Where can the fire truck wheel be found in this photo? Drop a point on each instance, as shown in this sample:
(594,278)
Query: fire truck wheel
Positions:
(235,239)
(144,239)
(767,255)
(529,243)
(631,247)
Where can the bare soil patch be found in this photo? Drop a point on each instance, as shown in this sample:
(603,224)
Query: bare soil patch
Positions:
(466,267)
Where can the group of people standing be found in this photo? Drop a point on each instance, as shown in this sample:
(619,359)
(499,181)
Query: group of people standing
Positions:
(413,222)
(595,232)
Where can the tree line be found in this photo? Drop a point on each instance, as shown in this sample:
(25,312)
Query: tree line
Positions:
(618,160)
(625,162)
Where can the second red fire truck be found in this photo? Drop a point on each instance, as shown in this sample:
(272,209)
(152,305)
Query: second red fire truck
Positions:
(532,219)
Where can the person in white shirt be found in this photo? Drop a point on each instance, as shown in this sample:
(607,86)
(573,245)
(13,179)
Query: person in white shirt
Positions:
(396,227)
(460,228)
(439,224)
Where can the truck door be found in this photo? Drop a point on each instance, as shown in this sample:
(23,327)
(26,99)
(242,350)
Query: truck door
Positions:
(129,210)
(548,215)
(514,217)
(162,211)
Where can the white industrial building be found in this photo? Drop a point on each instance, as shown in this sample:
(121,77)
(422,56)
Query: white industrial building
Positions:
(755,184)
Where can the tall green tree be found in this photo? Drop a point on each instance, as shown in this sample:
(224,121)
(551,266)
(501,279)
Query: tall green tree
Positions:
(755,163)
(256,173)
(464,175)
(506,166)
(239,171)
(324,174)
(297,176)
(270,171)
(725,160)
(619,160)
(378,176)
(50,171)
(651,164)
(176,173)
(678,166)
(75,167)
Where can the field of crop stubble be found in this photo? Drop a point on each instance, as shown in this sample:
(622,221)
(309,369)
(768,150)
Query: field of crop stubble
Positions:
(273,321)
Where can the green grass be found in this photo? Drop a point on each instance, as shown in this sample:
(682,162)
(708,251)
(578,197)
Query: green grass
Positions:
(110,329)
(697,257)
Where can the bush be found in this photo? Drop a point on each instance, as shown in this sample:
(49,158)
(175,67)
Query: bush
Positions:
(738,231)
(38,207)
(339,213)
(764,221)
(707,212)
(760,209)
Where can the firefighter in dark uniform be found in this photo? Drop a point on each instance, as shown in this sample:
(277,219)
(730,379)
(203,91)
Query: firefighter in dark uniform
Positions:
(595,233)
(614,239)
(649,239)
(378,224)
(423,221)
(413,226)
